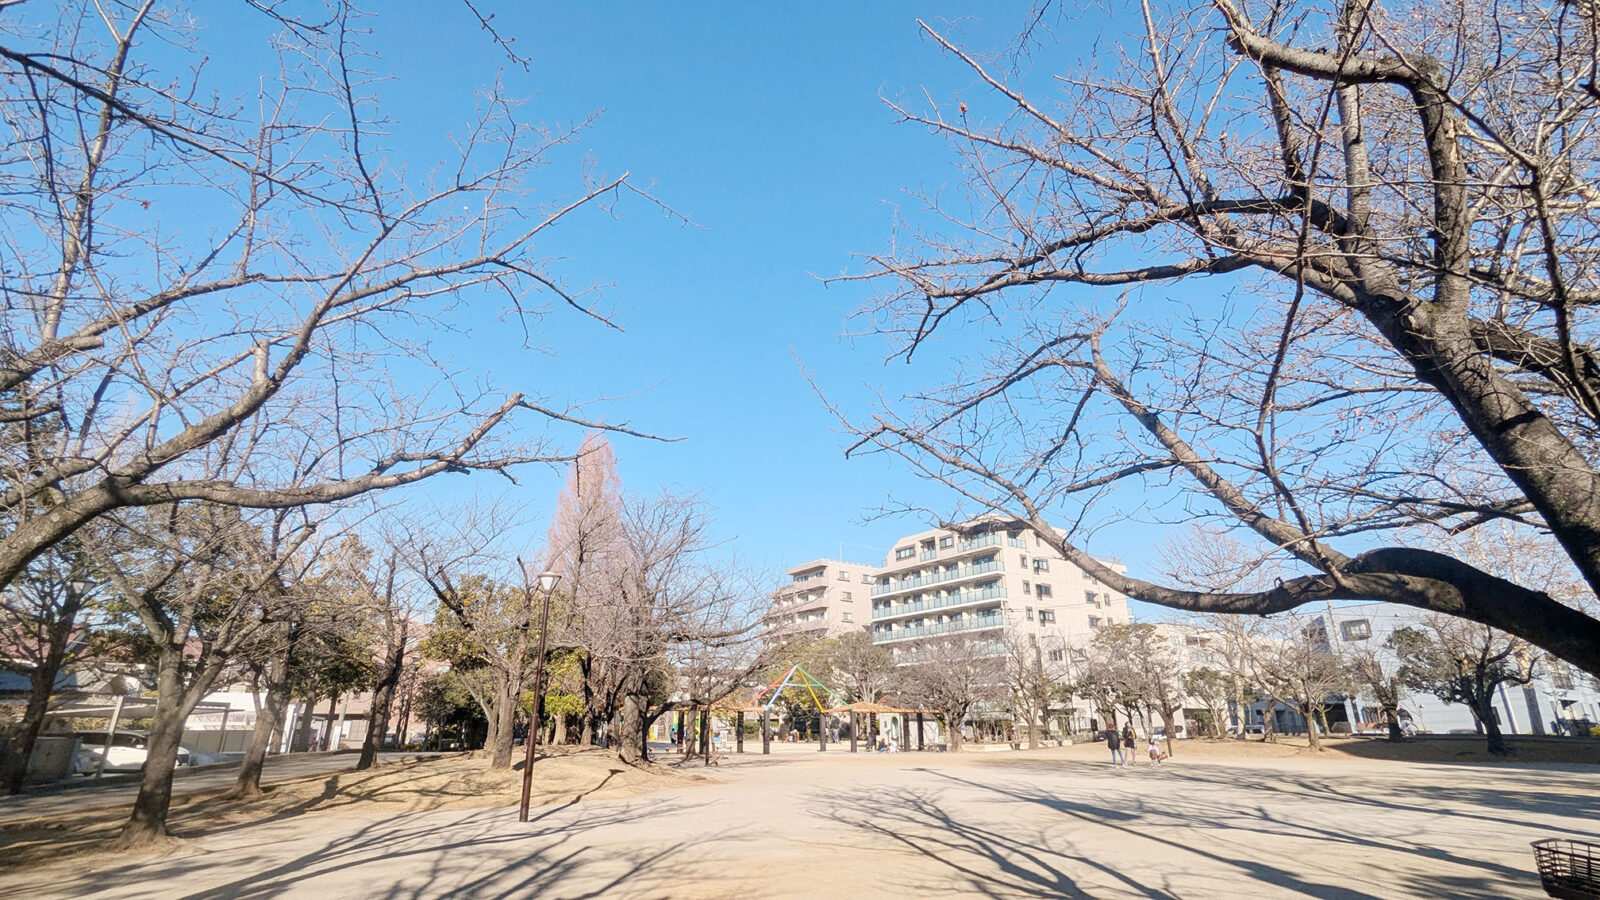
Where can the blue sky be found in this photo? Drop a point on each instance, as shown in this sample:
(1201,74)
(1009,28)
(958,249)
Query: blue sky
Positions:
(765,125)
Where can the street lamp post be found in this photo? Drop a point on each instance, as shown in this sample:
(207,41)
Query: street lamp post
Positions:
(547,586)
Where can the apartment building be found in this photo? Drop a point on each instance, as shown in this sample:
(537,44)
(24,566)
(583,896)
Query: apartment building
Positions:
(824,598)
(980,576)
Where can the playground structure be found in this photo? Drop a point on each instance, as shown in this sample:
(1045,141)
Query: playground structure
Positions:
(897,722)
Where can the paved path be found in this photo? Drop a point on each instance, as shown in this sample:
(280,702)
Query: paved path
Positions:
(88,793)
(1018,825)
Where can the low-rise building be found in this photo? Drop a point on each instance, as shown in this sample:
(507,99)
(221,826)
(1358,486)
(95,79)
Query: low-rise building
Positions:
(1560,699)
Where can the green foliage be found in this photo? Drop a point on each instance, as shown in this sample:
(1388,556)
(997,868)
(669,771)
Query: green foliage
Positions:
(485,618)
(441,700)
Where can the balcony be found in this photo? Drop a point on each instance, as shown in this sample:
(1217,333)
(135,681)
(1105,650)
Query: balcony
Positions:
(938,576)
(991,539)
(979,623)
(962,598)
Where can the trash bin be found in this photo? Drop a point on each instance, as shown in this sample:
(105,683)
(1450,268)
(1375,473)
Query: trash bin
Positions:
(1568,869)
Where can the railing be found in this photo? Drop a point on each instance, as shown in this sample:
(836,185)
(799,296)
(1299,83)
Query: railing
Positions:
(992,539)
(1019,543)
(976,624)
(926,555)
(939,576)
(957,599)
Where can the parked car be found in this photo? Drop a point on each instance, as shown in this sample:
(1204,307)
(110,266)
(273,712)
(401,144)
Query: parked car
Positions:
(128,752)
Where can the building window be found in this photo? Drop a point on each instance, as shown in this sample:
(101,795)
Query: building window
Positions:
(844,576)
(905,552)
(945,543)
(1041,565)
(1089,598)
(1356,629)
(845,595)
(1046,616)
(1561,677)
(1027,588)
(1094,621)
(848,617)
(1041,590)
(1057,655)
(1024,558)
(1030,614)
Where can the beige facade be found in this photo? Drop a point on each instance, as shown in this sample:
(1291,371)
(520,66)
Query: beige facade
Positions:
(824,598)
(980,577)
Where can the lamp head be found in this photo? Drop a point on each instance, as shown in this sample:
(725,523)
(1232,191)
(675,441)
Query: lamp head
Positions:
(548,581)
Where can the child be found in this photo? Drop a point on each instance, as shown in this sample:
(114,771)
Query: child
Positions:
(1155,752)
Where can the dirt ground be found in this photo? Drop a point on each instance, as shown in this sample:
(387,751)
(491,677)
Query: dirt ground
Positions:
(1428,748)
(1217,820)
(455,782)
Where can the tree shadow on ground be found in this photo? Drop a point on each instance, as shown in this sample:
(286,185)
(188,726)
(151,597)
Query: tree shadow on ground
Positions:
(1016,854)
(417,855)
(1271,805)
(376,791)
(1572,795)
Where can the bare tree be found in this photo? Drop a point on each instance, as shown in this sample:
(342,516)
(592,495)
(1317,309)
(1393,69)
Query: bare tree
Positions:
(310,606)
(1142,670)
(588,545)
(1295,665)
(196,576)
(862,670)
(669,597)
(953,675)
(393,615)
(1213,688)
(1401,209)
(1035,670)
(1383,683)
(200,264)
(43,632)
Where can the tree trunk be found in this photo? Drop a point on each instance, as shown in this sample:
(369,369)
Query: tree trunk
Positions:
(1033,732)
(1391,715)
(504,731)
(333,710)
(382,697)
(953,726)
(14,767)
(1483,707)
(302,739)
(630,731)
(1309,712)
(560,729)
(148,823)
(1243,710)
(268,719)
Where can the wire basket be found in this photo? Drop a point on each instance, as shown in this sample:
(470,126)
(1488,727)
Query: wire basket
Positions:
(1569,869)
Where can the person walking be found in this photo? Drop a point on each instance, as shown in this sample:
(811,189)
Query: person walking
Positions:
(1114,741)
(1129,744)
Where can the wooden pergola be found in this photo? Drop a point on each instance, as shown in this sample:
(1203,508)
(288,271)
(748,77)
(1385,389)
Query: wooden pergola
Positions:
(873,710)
(725,707)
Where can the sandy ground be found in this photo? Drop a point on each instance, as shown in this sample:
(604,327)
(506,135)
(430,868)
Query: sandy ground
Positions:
(1047,823)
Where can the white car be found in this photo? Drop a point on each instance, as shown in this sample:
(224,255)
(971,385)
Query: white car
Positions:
(127,752)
